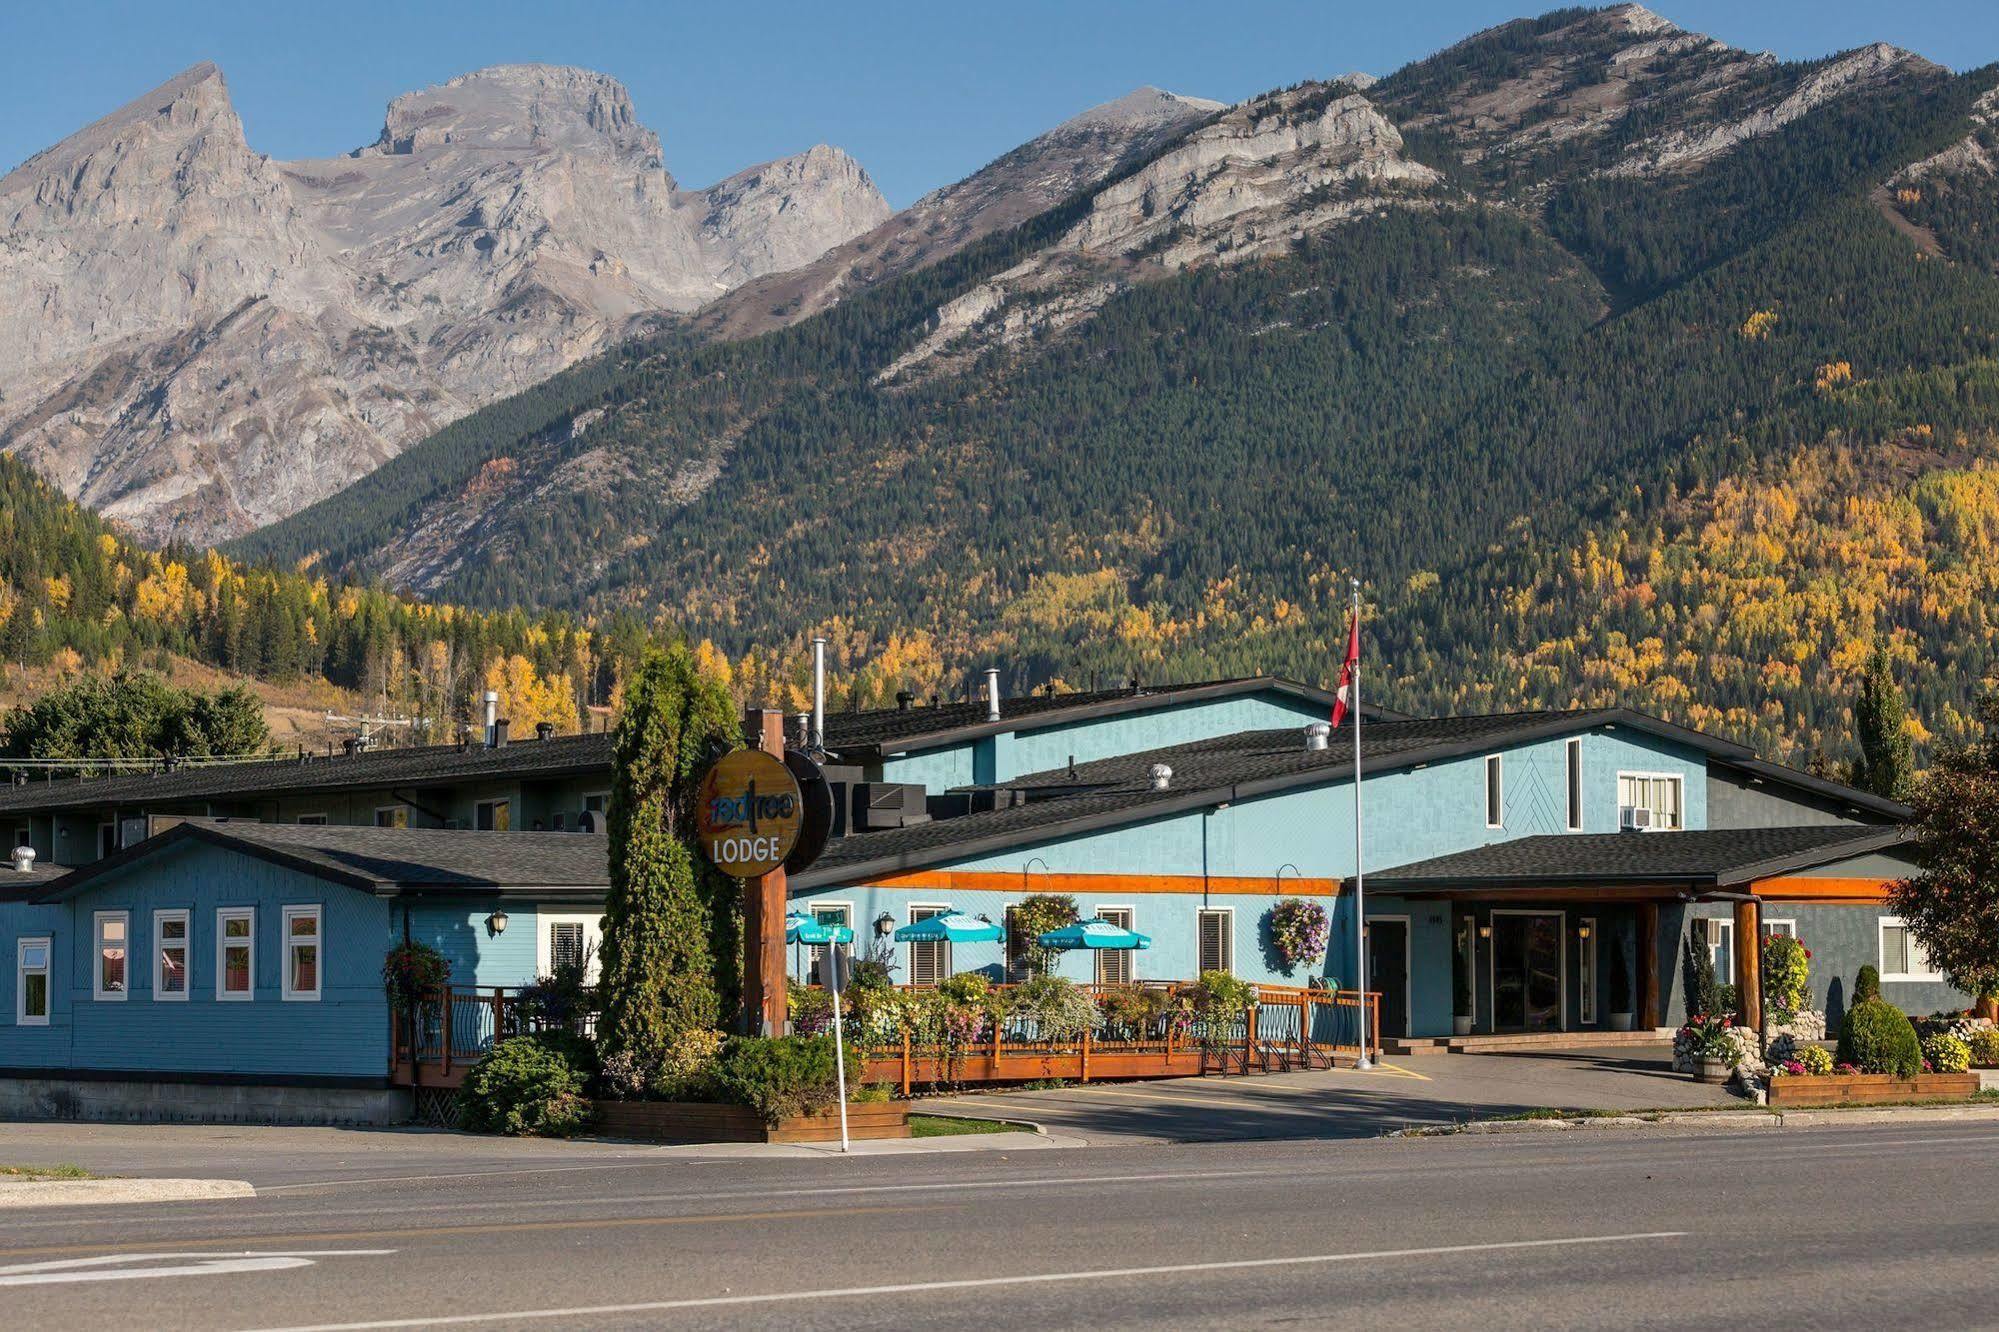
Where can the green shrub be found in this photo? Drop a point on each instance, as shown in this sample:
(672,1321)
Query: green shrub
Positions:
(1866,984)
(684,1071)
(1223,995)
(873,1093)
(781,1076)
(1816,1059)
(969,988)
(1985,1047)
(1878,1038)
(1946,1053)
(1060,1009)
(527,1086)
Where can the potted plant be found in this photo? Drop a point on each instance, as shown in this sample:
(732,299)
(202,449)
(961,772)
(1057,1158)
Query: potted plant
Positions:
(1460,994)
(1620,989)
(1710,1044)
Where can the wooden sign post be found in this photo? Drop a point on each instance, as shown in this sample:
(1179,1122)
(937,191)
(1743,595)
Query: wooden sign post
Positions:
(766,997)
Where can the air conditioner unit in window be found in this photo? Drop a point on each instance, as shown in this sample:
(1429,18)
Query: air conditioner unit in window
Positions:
(1634,818)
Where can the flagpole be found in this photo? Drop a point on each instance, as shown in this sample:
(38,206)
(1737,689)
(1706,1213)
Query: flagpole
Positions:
(1359,860)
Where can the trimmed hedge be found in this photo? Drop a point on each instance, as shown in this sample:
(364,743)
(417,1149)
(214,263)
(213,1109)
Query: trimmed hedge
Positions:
(529,1086)
(1878,1037)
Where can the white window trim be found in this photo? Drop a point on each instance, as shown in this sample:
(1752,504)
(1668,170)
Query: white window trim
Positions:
(223,915)
(1881,927)
(1678,779)
(583,801)
(21,974)
(286,915)
(1716,928)
(545,922)
(97,990)
(910,916)
(160,993)
(1768,927)
(1105,954)
(1228,964)
(1495,789)
(1572,785)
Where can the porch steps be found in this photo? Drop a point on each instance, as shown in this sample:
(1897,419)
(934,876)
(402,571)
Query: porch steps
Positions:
(1535,1041)
(1404,1047)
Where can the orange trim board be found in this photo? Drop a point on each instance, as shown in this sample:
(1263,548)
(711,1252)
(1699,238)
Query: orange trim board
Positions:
(1803,888)
(1104,885)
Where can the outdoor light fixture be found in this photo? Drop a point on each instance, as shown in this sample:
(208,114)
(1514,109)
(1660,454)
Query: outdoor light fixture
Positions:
(497,922)
(1485,931)
(883,924)
(1582,931)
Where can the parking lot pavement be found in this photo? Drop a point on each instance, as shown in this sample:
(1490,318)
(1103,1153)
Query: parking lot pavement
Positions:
(1348,1103)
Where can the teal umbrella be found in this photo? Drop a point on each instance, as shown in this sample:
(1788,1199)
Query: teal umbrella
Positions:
(951,927)
(801,928)
(1094,934)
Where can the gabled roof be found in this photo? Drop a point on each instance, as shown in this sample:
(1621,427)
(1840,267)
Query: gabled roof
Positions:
(422,766)
(387,861)
(872,734)
(1712,859)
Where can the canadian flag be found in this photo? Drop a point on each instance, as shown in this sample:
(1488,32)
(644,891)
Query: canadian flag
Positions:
(1344,702)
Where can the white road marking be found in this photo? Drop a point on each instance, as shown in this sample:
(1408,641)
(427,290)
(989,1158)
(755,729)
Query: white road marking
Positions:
(121,1266)
(977,1283)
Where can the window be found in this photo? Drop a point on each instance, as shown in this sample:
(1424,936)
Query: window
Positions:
(22,837)
(110,929)
(107,839)
(170,955)
(567,938)
(1787,928)
(928,962)
(1216,932)
(1114,964)
(302,954)
(1575,756)
(312,820)
(31,981)
(826,913)
(235,951)
(1495,806)
(1649,800)
(492,816)
(1586,969)
(1902,957)
(392,816)
(1721,949)
(596,802)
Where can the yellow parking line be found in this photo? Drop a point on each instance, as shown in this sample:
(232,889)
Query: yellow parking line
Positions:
(1383,1066)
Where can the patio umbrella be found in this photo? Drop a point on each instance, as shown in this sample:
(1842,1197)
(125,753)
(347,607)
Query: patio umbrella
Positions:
(951,927)
(1094,934)
(800,928)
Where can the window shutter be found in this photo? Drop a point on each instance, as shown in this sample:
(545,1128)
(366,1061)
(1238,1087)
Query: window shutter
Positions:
(565,944)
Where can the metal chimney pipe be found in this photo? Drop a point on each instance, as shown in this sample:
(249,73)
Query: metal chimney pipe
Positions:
(817,738)
(992,693)
(492,713)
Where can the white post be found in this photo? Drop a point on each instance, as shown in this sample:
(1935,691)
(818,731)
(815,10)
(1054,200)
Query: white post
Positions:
(836,969)
(817,739)
(1359,858)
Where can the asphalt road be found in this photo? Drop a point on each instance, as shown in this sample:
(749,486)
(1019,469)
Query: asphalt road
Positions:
(1882,1226)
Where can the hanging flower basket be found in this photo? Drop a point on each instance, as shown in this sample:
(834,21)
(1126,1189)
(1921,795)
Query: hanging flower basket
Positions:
(1298,932)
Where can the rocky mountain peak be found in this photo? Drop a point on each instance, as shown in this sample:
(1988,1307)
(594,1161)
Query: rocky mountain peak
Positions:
(192,102)
(520,108)
(1138,110)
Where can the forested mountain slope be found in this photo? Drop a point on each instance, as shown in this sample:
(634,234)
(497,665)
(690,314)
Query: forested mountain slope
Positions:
(1617,363)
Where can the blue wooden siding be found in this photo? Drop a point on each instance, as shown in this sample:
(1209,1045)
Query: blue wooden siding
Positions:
(456,927)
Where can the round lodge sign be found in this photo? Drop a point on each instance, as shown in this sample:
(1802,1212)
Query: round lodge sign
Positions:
(749,814)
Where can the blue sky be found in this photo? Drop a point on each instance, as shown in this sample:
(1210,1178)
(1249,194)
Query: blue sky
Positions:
(921,93)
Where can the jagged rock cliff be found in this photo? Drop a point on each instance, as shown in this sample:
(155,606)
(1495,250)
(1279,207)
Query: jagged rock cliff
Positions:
(198,340)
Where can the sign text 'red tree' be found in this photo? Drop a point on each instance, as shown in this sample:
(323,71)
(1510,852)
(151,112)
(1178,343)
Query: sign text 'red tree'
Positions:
(749,813)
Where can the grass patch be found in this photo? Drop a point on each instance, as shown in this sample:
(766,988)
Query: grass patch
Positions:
(44,1172)
(948,1126)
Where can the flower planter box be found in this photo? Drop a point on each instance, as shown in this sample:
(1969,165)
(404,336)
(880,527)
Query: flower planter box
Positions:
(1860,1088)
(696,1121)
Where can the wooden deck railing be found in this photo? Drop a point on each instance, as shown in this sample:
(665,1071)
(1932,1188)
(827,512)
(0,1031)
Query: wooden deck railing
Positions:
(447,1031)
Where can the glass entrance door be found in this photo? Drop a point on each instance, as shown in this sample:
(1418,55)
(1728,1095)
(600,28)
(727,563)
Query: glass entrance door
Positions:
(1527,971)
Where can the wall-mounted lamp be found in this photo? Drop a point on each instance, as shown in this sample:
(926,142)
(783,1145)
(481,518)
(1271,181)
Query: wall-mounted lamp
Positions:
(884,925)
(497,922)
(1485,931)
(1582,931)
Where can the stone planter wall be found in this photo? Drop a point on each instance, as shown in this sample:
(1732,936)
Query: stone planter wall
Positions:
(696,1121)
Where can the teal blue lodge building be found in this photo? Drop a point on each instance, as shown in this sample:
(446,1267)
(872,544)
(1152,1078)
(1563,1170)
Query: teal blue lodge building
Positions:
(205,942)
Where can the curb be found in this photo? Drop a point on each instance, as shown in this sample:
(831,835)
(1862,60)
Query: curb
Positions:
(1032,1126)
(1721,1119)
(107,1192)
(1908,1114)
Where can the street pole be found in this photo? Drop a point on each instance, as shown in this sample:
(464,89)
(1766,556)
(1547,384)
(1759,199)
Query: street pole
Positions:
(836,978)
(1359,858)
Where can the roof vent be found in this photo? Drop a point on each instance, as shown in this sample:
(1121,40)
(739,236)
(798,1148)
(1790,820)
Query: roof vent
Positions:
(24,859)
(992,694)
(1317,734)
(500,733)
(544,730)
(353,745)
(1162,776)
(903,698)
(492,712)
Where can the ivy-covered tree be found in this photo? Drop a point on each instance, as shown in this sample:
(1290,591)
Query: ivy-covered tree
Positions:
(1952,907)
(1880,723)
(135,716)
(671,949)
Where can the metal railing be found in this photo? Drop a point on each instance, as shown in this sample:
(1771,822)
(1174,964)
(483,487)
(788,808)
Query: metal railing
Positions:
(447,1030)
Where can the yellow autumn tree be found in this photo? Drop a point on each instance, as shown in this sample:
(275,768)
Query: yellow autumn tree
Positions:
(528,698)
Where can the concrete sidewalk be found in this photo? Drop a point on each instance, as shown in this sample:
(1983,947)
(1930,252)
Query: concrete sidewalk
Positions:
(1348,1103)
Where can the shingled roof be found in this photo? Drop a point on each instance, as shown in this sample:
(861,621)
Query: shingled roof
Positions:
(1711,859)
(422,766)
(389,861)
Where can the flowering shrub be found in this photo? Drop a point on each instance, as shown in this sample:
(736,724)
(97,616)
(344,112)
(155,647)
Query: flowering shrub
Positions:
(1790,1068)
(1814,1059)
(1298,932)
(811,1010)
(1709,1037)
(1060,1009)
(1133,1012)
(1985,1047)
(411,968)
(1786,975)
(1944,1053)
(684,1071)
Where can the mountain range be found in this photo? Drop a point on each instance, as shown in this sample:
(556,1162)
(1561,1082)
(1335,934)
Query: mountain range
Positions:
(1618,364)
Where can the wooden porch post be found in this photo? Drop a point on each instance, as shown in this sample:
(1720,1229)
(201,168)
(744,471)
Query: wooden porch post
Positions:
(766,1002)
(1749,962)
(1648,965)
